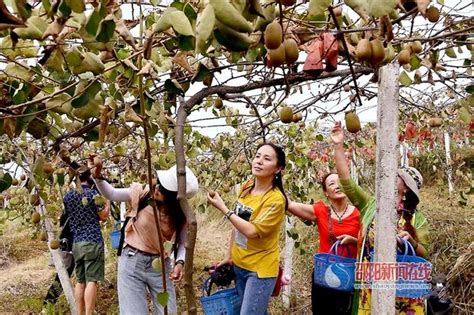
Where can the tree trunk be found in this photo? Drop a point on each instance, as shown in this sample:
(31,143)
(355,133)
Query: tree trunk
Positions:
(190,215)
(383,300)
(58,262)
(288,261)
(449,170)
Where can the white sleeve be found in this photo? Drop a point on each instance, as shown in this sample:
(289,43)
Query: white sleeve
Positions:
(111,193)
(181,251)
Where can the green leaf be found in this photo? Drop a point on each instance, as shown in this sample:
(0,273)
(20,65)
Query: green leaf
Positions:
(415,62)
(5,181)
(201,73)
(293,131)
(93,22)
(378,8)
(470,89)
(46,5)
(35,27)
(173,87)
(77,6)
(74,57)
(85,96)
(192,153)
(162,298)
(189,11)
(92,135)
(405,79)
(180,23)
(186,43)
(107,28)
(64,9)
(60,179)
(252,54)
(318,7)
(18,72)
(450,52)
(320,137)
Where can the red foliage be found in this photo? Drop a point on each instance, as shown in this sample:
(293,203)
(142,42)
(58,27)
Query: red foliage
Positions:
(410,130)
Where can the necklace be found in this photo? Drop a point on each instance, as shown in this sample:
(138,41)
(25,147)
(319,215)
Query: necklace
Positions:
(339,217)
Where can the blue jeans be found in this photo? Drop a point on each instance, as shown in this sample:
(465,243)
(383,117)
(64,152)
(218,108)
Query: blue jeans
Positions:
(255,292)
(135,276)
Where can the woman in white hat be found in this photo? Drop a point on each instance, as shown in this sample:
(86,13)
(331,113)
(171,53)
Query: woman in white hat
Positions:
(412,225)
(141,243)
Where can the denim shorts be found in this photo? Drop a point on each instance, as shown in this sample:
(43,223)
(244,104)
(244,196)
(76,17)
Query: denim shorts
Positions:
(89,258)
(255,292)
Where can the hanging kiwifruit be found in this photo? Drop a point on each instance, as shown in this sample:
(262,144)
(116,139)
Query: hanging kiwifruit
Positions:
(277,56)
(432,14)
(218,103)
(297,117)
(352,122)
(286,114)
(364,50)
(435,122)
(404,57)
(35,218)
(54,244)
(291,50)
(273,35)
(416,47)
(378,53)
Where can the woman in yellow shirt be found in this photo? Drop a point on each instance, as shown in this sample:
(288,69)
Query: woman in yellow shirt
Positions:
(257,219)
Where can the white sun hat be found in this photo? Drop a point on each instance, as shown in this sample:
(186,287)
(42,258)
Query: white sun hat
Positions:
(169,180)
(412,178)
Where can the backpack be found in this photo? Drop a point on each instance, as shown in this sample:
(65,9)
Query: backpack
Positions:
(65,237)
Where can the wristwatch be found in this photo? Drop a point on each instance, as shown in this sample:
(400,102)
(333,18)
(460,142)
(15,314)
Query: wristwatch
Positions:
(179,261)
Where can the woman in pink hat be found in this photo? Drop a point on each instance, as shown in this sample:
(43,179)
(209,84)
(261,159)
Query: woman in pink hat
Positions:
(412,225)
(141,243)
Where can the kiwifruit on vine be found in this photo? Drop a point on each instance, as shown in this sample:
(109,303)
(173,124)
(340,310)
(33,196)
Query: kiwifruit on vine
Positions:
(352,122)
(273,35)
(364,50)
(378,52)
(297,117)
(54,244)
(277,56)
(48,168)
(404,57)
(286,114)
(435,122)
(432,14)
(416,47)
(35,218)
(218,103)
(291,50)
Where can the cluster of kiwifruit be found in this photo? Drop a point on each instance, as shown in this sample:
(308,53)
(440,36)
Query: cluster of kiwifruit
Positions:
(287,116)
(371,51)
(279,51)
(411,48)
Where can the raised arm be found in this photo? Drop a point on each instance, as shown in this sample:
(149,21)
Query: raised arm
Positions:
(301,210)
(111,193)
(337,137)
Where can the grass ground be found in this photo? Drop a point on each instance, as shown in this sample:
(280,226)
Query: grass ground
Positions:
(25,275)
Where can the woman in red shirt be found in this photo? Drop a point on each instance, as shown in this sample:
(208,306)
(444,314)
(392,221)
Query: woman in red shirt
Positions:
(344,226)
